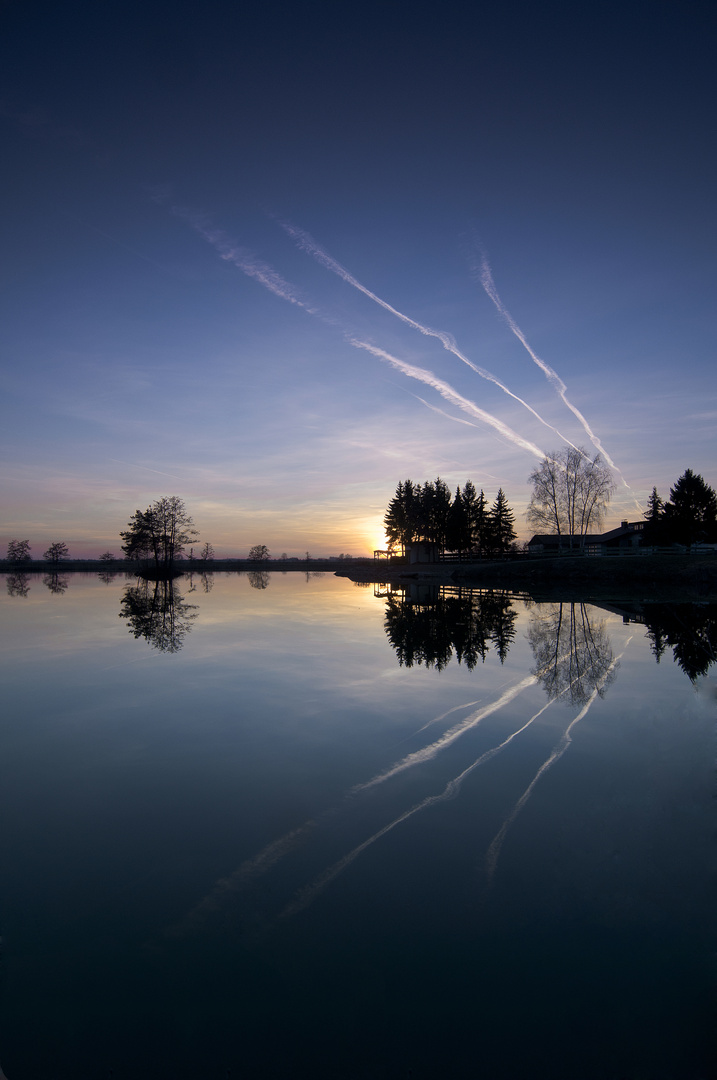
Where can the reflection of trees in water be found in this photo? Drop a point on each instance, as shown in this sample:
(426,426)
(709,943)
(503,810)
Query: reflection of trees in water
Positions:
(690,630)
(55,583)
(107,576)
(206,580)
(18,585)
(572,654)
(156,611)
(465,624)
(258,579)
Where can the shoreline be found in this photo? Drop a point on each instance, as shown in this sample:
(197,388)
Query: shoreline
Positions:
(659,577)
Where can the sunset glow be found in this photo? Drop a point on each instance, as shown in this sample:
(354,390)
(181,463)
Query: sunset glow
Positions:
(306,273)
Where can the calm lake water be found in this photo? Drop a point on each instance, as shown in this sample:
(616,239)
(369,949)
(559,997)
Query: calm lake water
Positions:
(286,826)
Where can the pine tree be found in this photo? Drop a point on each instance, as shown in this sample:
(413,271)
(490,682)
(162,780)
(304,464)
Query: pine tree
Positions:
(501,521)
(458,536)
(691,513)
(481,525)
(654,515)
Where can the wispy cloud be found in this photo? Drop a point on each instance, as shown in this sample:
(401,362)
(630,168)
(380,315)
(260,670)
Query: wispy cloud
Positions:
(306,243)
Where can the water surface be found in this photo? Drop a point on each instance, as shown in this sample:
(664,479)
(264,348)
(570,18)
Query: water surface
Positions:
(282,825)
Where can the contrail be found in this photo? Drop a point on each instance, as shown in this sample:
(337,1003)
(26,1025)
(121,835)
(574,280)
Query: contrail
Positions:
(442,412)
(446,391)
(248,263)
(307,895)
(486,279)
(242,258)
(558,751)
(306,243)
(241,878)
(160,472)
(418,757)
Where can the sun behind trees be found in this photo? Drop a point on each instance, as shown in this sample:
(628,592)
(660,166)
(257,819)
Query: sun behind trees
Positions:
(464,524)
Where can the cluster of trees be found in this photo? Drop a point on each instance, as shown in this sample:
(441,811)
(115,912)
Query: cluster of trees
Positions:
(464,523)
(690,516)
(571,492)
(160,533)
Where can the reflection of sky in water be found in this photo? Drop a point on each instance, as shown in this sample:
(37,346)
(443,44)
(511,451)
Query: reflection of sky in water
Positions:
(279,826)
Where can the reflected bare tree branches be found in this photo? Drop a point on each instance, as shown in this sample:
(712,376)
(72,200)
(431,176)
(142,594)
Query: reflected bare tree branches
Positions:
(157,611)
(56,583)
(259,579)
(18,585)
(572,654)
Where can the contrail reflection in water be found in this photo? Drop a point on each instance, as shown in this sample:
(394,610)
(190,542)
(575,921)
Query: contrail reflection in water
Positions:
(309,894)
(558,751)
(418,757)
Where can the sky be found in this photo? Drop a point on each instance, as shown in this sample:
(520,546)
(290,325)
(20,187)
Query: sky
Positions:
(277,260)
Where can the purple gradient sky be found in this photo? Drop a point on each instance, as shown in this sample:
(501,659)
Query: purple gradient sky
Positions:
(168,328)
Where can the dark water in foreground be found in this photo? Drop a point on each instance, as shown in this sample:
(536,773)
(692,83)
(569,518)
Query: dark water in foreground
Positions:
(261,839)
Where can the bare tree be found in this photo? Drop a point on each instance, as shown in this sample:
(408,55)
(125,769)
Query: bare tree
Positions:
(207,553)
(571,492)
(18,551)
(107,556)
(259,553)
(56,552)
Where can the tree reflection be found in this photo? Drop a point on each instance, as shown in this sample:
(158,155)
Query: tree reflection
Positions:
(572,654)
(156,611)
(464,623)
(18,585)
(56,583)
(258,579)
(690,630)
(206,580)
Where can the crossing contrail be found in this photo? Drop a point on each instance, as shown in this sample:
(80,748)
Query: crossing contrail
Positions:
(446,391)
(306,243)
(486,280)
(265,274)
(308,894)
